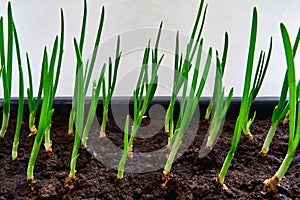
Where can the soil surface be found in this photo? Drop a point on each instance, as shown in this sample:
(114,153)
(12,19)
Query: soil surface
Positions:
(191,177)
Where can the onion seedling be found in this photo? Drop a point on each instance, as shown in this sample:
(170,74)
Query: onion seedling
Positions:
(49,86)
(86,80)
(89,64)
(248,96)
(34,102)
(187,108)
(218,79)
(6,67)
(80,102)
(219,110)
(21,98)
(82,37)
(281,109)
(48,142)
(258,80)
(294,123)
(181,71)
(125,150)
(80,97)
(145,87)
(93,106)
(45,116)
(107,94)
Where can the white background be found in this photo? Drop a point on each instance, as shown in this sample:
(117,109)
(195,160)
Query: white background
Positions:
(38,22)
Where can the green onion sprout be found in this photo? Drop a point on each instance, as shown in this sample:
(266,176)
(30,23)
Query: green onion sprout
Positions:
(45,116)
(258,80)
(80,96)
(294,124)
(82,37)
(220,71)
(145,88)
(33,103)
(21,98)
(6,67)
(125,151)
(242,122)
(89,64)
(107,94)
(181,71)
(80,102)
(216,103)
(49,87)
(281,110)
(187,109)
(48,142)
(93,106)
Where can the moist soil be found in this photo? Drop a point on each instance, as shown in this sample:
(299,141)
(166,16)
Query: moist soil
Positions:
(191,177)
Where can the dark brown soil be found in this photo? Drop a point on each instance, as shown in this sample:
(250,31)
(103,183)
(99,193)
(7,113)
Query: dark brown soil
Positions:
(191,177)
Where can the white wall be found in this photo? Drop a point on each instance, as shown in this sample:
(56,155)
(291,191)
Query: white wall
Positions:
(38,23)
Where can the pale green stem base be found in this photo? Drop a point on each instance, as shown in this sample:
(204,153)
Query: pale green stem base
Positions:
(31,123)
(122,165)
(103,125)
(285,165)
(71,123)
(75,155)
(73,171)
(172,155)
(48,142)
(265,149)
(167,121)
(226,165)
(247,126)
(132,136)
(272,183)
(169,143)
(208,110)
(34,152)
(4,125)
(246,130)
(14,152)
(84,137)
(213,131)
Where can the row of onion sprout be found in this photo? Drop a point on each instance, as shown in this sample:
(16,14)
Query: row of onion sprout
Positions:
(144,92)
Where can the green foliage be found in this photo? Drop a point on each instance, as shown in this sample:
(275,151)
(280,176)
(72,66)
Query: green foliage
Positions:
(145,88)
(294,106)
(47,88)
(108,92)
(242,122)
(219,110)
(81,129)
(282,107)
(182,66)
(187,108)
(46,113)
(89,64)
(21,98)
(260,73)
(6,67)
(125,151)
(93,106)
(34,102)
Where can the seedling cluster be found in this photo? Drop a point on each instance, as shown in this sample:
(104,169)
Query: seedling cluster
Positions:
(186,70)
